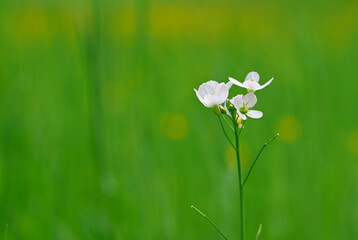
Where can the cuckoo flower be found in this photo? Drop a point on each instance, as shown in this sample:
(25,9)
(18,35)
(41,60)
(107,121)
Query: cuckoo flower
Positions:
(251,82)
(243,105)
(212,93)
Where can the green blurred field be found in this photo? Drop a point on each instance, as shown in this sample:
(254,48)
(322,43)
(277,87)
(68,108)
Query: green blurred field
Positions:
(102,137)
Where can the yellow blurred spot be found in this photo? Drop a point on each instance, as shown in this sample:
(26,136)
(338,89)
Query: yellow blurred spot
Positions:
(245,155)
(174,126)
(258,23)
(173,21)
(30,25)
(113,97)
(230,157)
(289,128)
(353,143)
(208,23)
(123,24)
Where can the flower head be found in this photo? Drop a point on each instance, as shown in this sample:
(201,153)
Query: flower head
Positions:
(251,82)
(212,93)
(243,105)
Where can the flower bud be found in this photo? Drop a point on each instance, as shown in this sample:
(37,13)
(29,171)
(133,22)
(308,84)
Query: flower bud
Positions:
(222,109)
(239,122)
(216,110)
(230,107)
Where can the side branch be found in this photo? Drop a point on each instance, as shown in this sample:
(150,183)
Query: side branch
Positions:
(208,219)
(258,155)
(258,232)
(225,118)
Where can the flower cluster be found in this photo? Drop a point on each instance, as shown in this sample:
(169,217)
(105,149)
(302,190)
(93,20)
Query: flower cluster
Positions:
(212,94)
(234,111)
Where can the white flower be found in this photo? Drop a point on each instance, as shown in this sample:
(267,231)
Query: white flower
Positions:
(251,82)
(212,93)
(243,105)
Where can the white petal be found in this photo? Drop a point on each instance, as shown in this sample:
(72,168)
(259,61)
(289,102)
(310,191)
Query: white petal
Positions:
(211,100)
(254,114)
(237,101)
(207,88)
(252,76)
(222,92)
(229,85)
(251,85)
(266,84)
(250,100)
(234,81)
(201,99)
(213,83)
(243,116)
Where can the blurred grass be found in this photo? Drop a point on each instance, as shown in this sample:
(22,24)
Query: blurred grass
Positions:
(102,137)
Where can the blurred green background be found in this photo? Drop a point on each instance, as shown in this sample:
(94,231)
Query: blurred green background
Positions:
(102,136)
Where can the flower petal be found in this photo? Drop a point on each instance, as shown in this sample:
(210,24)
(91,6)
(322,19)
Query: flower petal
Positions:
(213,83)
(229,85)
(266,84)
(227,111)
(207,88)
(252,76)
(222,92)
(211,100)
(237,101)
(234,81)
(254,114)
(201,99)
(243,116)
(252,85)
(250,100)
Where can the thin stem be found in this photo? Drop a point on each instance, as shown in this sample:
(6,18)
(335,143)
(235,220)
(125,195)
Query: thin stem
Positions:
(226,116)
(208,219)
(258,155)
(242,213)
(222,126)
(258,232)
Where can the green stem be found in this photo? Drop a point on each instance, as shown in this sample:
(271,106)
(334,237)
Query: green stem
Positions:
(222,126)
(242,213)
(258,155)
(208,219)
(226,116)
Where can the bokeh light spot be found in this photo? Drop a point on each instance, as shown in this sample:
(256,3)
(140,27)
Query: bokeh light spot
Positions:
(230,157)
(245,155)
(289,128)
(353,143)
(174,126)
(124,24)
(31,25)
